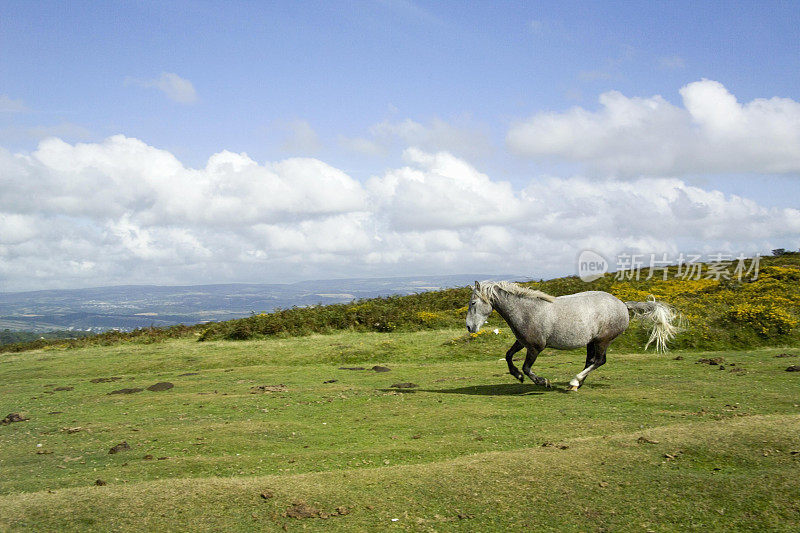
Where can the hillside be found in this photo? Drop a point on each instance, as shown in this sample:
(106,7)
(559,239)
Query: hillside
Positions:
(384,414)
(718,313)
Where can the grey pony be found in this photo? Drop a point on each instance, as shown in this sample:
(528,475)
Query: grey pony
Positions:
(538,320)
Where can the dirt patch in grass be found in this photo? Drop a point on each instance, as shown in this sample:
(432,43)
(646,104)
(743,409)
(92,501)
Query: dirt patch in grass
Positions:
(189,374)
(126,391)
(352,368)
(559,446)
(64,388)
(378,368)
(121,447)
(161,386)
(269,388)
(13,417)
(712,361)
(104,380)
(301,509)
(793,368)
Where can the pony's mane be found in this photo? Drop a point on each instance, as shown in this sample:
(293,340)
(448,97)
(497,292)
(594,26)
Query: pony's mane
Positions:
(488,288)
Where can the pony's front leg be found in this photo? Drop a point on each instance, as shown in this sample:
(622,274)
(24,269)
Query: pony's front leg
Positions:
(530,358)
(513,370)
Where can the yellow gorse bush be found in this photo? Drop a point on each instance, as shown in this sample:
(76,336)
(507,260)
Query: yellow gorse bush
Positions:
(627,293)
(766,320)
(427,316)
(679,287)
(789,273)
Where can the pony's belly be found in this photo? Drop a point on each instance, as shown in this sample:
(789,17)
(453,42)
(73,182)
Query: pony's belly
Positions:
(569,341)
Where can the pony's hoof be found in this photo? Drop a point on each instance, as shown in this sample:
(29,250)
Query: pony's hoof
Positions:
(572,387)
(521,378)
(543,382)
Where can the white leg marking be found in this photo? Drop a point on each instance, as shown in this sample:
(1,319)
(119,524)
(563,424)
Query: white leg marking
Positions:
(578,379)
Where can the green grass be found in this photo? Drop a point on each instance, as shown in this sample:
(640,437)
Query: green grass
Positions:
(468,441)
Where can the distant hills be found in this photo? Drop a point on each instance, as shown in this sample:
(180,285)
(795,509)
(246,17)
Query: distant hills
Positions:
(129,307)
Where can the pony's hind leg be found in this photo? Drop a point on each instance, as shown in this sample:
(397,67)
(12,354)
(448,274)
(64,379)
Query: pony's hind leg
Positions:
(512,369)
(530,358)
(595,357)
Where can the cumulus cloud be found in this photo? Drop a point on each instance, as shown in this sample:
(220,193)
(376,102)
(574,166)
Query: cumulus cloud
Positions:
(630,136)
(441,191)
(124,175)
(121,211)
(173,86)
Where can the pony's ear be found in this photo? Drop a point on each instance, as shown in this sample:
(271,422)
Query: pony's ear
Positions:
(477,286)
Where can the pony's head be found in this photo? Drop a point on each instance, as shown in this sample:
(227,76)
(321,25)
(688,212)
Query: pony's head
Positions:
(479,309)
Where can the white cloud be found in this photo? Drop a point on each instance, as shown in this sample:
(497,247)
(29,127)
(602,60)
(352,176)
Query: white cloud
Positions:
(332,234)
(301,138)
(16,228)
(9,105)
(173,86)
(363,146)
(123,175)
(121,211)
(441,191)
(629,136)
(460,138)
(658,208)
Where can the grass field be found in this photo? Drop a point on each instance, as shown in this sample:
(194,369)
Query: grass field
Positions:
(651,442)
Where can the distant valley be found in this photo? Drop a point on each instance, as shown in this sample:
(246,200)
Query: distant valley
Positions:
(135,306)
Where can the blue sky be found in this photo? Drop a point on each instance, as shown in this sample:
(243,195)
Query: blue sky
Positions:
(356,86)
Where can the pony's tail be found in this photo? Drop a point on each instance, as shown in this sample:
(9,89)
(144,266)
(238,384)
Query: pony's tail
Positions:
(663,317)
